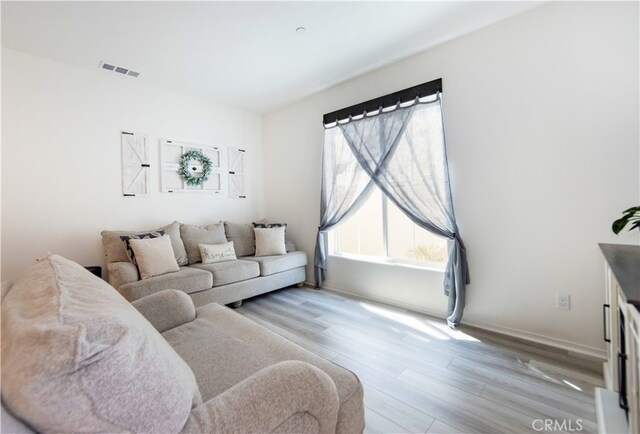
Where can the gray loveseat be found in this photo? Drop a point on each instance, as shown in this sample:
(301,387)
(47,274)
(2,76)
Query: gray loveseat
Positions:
(77,357)
(222,282)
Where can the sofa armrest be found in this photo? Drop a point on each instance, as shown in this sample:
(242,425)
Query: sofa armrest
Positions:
(121,273)
(166,309)
(267,399)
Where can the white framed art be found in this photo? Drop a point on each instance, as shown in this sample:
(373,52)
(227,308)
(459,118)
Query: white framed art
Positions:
(170,153)
(136,164)
(236,173)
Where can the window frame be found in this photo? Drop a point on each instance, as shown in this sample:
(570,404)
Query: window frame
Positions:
(334,242)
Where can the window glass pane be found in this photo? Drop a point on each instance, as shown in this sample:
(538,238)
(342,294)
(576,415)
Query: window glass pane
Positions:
(361,234)
(408,241)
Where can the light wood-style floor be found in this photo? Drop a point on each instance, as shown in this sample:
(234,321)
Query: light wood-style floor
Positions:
(420,376)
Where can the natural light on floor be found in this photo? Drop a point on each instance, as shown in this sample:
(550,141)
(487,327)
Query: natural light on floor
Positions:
(435,331)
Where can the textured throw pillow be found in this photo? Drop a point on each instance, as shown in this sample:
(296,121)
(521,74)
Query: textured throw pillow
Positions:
(244,241)
(217,252)
(270,241)
(77,357)
(262,224)
(193,235)
(154,256)
(126,239)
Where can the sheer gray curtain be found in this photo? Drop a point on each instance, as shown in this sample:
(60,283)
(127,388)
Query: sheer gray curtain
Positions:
(345,186)
(403,152)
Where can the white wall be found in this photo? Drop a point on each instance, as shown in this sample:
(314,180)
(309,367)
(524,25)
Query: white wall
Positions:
(542,124)
(61,159)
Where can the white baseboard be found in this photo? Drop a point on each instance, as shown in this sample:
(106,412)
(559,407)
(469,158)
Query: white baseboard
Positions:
(593,379)
(572,347)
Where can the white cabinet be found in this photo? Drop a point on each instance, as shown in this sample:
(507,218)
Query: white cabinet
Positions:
(633,368)
(610,325)
(618,406)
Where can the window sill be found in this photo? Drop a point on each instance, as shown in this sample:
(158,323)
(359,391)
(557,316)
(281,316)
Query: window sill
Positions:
(390,262)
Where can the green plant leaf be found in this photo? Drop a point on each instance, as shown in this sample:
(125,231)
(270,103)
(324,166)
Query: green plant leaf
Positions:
(630,215)
(618,225)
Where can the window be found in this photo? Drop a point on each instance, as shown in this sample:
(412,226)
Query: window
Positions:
(379,230)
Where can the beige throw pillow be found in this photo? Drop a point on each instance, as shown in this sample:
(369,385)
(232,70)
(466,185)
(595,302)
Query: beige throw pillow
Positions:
(217,252)
(270,241)
(154,256)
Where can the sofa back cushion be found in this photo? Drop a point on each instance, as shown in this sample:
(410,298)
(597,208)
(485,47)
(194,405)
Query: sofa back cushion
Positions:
(115,248)
(244,241)
(193,235)
(76,356)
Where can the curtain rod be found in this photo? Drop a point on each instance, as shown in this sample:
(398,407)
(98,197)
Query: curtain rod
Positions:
(405,95)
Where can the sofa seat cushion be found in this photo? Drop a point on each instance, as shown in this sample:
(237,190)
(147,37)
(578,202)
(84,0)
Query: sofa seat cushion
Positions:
(218,359)
(267,347)
(227,272)
(279,263)
(76,356)
(187,279)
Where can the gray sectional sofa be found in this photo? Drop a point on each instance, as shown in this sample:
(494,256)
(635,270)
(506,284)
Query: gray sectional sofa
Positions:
(222,282)
(77,357)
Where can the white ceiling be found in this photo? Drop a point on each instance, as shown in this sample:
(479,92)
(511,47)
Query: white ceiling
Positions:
(244,54)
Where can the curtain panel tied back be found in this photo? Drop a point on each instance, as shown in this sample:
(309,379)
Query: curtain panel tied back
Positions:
(401,151)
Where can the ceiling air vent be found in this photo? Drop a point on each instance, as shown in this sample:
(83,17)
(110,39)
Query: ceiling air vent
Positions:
(118,69)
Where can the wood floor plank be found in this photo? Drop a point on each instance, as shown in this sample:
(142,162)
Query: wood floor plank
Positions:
(354,303)
(359,350)
(579,377)
(311,307)
(447,349)
(378,424)
(468,402)
(404,415)
(444,378)
(420,376)
(540,389)
(537,351)
(286,297)
(328,306)
(461,418)
(291,313)
(282,318)
(390,347)
(535,409)
(439,427)
(393,334)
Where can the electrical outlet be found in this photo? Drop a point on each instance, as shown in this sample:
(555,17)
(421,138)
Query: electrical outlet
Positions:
(563,301)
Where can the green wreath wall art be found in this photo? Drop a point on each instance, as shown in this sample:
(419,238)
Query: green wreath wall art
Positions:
(188,171)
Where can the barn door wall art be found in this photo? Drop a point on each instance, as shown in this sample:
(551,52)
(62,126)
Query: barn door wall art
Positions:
(136,165)
(170,153)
